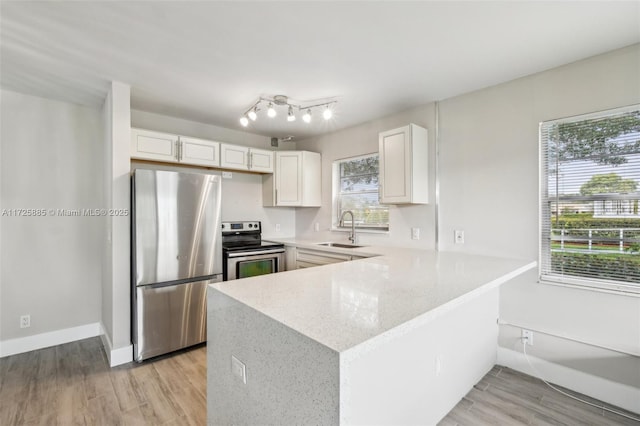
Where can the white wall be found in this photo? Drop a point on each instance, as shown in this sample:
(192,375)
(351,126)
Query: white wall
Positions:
(489,189)
(242,193)
(50,266)
(488,173)
(359,140)
(116,287)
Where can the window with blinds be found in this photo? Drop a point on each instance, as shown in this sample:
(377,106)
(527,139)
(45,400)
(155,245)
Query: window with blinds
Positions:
(356,188)
(590,200)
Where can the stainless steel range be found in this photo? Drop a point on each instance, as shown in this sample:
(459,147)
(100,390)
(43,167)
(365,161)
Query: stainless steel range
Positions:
(245,254)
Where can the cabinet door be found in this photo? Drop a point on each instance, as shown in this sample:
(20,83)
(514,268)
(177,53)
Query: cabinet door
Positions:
(289,178)
(148,145)
(395,165)
(311,179)
(234,157)
(199,152)
(306,258)
(260,160)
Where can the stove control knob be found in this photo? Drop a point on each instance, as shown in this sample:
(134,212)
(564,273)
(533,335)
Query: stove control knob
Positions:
(251,225)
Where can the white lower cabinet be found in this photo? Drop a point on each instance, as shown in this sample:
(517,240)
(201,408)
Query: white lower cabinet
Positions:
(296,180)
(306,258)
(290,258)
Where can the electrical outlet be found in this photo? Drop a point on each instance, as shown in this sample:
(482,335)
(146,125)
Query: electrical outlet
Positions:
(458,236)
(527,337)
(277,227)
(415,233)
(227,175)
(238,369)
(25,321)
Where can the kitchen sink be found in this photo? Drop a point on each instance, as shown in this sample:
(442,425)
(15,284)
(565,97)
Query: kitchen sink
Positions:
(338,245)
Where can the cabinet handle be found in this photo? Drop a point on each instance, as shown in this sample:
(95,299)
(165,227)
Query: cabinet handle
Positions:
(250,161)
(178,150)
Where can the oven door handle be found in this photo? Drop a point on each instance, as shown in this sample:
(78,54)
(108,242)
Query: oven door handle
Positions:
(253,253)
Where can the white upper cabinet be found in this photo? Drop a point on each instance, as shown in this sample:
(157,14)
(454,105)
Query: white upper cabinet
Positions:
(199,152)
(157,146)
(404,171)
(260,160)
(148,145)
(234,156)
(244,158)
(295,182)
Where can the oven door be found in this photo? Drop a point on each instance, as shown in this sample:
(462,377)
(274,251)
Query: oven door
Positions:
(244,264)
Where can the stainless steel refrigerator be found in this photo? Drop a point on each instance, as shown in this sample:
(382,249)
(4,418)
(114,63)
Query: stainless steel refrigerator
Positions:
(176,252)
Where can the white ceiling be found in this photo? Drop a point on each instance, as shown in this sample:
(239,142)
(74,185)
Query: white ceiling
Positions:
(210,61)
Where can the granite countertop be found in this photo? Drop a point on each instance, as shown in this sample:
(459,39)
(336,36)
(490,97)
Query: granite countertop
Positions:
(342,305)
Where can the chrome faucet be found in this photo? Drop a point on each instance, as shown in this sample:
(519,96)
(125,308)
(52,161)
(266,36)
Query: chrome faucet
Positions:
(352,237)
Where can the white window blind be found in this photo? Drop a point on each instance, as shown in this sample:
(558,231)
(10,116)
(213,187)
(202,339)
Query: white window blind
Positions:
(356,188)
(590,200)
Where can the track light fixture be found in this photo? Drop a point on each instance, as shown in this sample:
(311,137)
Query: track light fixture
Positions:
(281,100)
(327,113)
(271,111)
(307,116)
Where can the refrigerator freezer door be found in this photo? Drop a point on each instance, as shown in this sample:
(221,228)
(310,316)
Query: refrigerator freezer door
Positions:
(169,318)
(176,225)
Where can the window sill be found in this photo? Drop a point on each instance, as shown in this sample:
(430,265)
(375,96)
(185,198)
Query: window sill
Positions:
(619,289)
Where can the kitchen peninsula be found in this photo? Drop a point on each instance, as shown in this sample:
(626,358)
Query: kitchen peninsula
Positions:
(395,338)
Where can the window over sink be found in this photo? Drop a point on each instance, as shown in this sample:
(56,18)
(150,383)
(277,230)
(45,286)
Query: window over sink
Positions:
(355,188)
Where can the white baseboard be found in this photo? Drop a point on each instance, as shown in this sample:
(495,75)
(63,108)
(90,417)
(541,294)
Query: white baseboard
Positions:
(117,356)
(45,340)
(621,395)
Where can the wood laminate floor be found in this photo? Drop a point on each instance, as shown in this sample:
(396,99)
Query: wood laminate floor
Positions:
(507,397)
(72,384)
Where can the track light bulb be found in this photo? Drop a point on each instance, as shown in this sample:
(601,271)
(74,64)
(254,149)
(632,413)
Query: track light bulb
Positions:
(327,113)
(290,115)
(244,121)
(271,112)
(307,116)
(252,114)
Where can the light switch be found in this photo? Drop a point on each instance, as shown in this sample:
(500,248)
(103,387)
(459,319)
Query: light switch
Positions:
(238,369)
